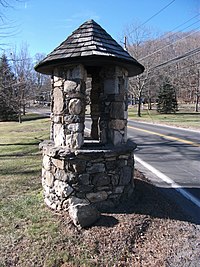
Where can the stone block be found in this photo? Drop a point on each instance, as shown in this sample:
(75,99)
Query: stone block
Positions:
(79,166)
(62,189)
(58,103)
(58,82)
(118,189)
(126,175)
(84,179)
(117,138)
(75,106)
(58,134)
(97,196)
(75,140)
(117,124)
(117,110)
(75,127)
(101,179)
(61,175)
(96,167)
(49,179)
(83,215)
(69,86)
(58,163)
(46,162)
(110,86)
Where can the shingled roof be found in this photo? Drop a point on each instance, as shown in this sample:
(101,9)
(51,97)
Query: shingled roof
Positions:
(89,45)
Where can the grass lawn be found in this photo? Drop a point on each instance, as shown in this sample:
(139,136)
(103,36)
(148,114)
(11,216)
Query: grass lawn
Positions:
(184,118)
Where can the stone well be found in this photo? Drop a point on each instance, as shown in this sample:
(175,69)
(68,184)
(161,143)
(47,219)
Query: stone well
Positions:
(88,174)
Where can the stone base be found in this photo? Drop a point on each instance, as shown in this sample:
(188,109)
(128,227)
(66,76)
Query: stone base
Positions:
(96,175)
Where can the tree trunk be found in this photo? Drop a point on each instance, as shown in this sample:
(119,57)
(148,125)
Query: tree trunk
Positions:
(139,104)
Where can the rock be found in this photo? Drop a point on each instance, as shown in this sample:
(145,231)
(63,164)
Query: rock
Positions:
(126,175)
(60,164)
(83,215)
(62,189)
(98,167)
(46,163)
(84,179)
(97,196)
(117,124)
(101,179)
(59,103)
(49,179)
(59,136)
(69,86)
(75,106)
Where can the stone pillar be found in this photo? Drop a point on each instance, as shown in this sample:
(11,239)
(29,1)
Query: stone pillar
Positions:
(113,122)
(68,107)
(95,105)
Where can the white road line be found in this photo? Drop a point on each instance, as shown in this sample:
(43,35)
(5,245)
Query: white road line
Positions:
(169,181)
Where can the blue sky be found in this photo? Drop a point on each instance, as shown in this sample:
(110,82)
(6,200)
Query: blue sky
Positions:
(44,24)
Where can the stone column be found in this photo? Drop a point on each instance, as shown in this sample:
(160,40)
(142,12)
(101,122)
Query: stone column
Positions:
(69,106)
(113,122)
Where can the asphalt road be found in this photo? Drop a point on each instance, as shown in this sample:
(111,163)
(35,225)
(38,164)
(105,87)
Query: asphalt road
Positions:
(173,153)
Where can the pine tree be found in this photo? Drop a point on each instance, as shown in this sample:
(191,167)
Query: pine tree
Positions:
(8,103)
(167,102)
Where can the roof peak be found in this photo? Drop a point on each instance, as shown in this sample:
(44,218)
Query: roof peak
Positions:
(89,44)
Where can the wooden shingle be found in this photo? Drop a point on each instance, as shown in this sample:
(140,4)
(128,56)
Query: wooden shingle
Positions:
(89,45)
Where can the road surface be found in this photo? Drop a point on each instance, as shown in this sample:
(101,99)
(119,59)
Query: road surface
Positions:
(172,154)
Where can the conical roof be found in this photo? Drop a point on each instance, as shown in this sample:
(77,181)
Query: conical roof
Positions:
(89,45)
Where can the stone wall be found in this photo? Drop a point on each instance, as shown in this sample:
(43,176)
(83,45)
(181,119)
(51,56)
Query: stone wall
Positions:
(89,176)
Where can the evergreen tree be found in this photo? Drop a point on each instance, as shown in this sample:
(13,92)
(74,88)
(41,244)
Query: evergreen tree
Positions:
(167,102)
(8,103)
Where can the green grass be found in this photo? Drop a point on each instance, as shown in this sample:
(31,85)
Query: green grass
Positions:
(185,117)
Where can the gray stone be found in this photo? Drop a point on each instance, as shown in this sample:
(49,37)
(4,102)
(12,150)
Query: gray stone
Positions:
(84,179)
(126,175)
(75,140)
(62,189)
(59,136)
(117,124)
(110,86)
(69,86)
(117,138)
(61,175)
(79,166)
(58,101)
(58,163)
(118,189)
(83,215)
(49,179)
(101,179)
(58,82)
(75,106)
(75,127)
(46,163)
(98,196)
(117,110)
(95,168)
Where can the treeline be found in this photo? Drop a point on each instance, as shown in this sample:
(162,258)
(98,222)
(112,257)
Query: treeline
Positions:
(20,84)
(170,60)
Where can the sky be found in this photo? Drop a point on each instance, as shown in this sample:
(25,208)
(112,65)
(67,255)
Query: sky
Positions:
(44,24)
